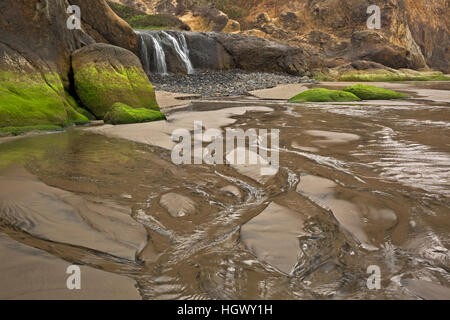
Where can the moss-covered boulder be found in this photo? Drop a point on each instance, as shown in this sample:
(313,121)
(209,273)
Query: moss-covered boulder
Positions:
(324,95)
(105,74)
(34,101)
(122,114)
(368,92)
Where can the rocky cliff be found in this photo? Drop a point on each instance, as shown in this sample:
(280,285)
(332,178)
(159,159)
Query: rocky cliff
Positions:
(416,30)
(414,33)
(36,46)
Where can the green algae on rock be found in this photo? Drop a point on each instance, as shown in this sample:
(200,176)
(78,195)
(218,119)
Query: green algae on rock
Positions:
(368,92)
(105,74)
(36,101)
(122,114)
(324,95)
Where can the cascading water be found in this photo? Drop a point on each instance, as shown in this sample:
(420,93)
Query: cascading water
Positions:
(156,47)
(182,51)
(158,53)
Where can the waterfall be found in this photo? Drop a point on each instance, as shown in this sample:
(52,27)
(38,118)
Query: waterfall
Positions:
(182,53)
(160,56)
(158,46)
(144,52)
(158,53)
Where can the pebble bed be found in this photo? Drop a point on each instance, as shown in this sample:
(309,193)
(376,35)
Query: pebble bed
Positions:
(223,83)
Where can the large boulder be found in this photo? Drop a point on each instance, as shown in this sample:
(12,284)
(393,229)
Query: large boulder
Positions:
(256,54)
(206,53)
(29,98)
(103,25)
(372,45)
(35,53)
(35,47)
(106,74)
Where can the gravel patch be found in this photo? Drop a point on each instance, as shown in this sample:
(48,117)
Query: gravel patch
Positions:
(223,83)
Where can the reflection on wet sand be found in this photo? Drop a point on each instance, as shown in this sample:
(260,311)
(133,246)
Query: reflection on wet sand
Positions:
(358,185)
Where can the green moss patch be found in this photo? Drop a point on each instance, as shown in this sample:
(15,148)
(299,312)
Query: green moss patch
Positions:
(324,95)
(390,77)
(123,114)
(368,92)
(99,87)
(140,20)
(33,100)
(381,75)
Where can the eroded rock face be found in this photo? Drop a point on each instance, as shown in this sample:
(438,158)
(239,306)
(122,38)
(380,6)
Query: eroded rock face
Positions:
(216,19)
(363,216)
(252,53)
(373,46)
(35,47)
(206,53)
(103,25)
(35,52)
(106,74)
(414,31)
(35,31)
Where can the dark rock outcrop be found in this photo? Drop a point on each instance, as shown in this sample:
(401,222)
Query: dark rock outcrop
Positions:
(103,25)
(35,47)
(371,45)
(416,32)
(35,58)
(35,31)
(106,74)
(207,53)
(252,53)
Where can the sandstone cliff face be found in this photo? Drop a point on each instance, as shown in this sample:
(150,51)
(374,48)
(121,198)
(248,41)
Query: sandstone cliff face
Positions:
(417,26)
(35,31)
(414,33)
(102,24)
(35,58)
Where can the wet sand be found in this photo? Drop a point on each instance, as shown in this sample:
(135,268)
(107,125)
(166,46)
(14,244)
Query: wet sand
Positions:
(358,185)
(31,274)
(436,91)
(55,215)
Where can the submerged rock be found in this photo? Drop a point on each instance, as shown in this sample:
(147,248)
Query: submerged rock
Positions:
(232,190)
(105,74)
(272,237)
(362,215)
(331,138)
(178,205)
